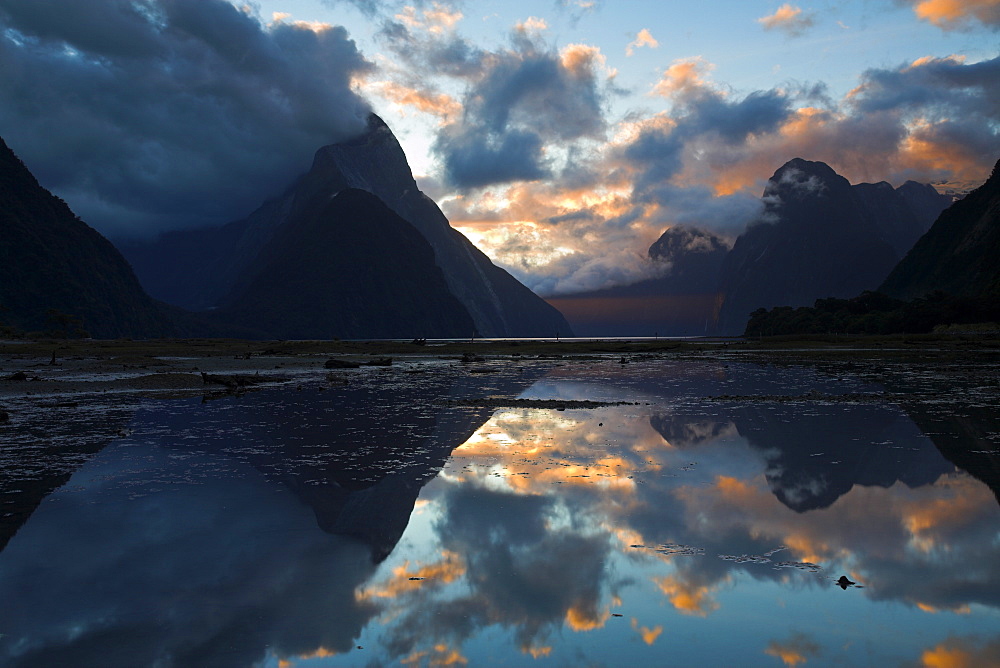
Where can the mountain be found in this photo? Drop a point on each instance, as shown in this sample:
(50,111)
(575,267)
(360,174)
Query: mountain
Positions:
(58,273)
(958,255)
(820,237)
(681,302)
(350,269)
(208,268)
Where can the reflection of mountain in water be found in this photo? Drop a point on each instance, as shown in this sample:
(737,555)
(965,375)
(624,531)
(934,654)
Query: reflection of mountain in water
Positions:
(965,440)
(181,545)
(41,456)
(357,455)
(686,432)
(816,455)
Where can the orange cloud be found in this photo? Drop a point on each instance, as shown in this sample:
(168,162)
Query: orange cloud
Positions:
(960,610)
(436,20)
(926,150)
(648,635)
(686,597)
(962,653)
(581,59)
(532,24)
(787,18)
(405,580)
(321,653)
(644,38)
(952,14)
(437,104)
(441,655)
(797,649)
(537,652)
(684,76)
(583,617)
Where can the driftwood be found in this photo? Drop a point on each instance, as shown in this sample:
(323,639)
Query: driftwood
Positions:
(334,363)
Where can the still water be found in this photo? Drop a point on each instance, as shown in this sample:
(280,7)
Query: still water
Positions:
(397,520)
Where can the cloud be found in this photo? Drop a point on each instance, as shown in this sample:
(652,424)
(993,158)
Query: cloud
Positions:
(114,581)
(644,38)
(532,24)
(427,101)
(958,14)
(520,574)
(170,113)
(475,159)
(799,648)
(789,19)
(437,20)
(962,652)
(524,100)
(704,162)
(683,77)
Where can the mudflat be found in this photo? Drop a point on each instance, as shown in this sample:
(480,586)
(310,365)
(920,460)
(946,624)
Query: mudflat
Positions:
(52,368)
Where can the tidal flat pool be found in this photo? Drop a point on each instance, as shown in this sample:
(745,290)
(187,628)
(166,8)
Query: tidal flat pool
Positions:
(591,512)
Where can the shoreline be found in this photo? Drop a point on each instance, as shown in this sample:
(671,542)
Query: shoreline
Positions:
(57,368)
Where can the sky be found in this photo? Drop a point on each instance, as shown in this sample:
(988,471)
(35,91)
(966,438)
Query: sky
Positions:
(561,136)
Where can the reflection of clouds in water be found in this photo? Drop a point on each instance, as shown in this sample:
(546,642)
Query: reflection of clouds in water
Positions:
(688,596)
(683,432)
(520,574)
(962,652)
(648,635)
(799,648)
(932,545)
(618,477)
(407,578)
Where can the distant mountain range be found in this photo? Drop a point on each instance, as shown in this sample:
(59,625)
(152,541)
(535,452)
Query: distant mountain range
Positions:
(821,237)
(392,253)
(353,249)
(949,277)
(818,236)
(682,302)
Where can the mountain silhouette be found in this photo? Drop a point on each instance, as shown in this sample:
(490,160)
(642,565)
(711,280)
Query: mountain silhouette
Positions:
(958,255)
(820,237)
(212,268)
(58,274)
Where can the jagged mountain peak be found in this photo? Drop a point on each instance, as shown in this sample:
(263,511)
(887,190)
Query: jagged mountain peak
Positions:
(372,161)
(800,179)
(681,239)
(375,163)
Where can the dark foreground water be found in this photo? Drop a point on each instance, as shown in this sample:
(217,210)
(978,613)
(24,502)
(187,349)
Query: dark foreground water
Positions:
(388,522)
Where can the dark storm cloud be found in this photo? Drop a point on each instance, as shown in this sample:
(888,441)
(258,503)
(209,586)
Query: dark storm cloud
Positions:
(760,111)
(957,105)
(478,159)
(658,152)
(524,100)
(946,82)
(447,54)
(156,114)
(517,101)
